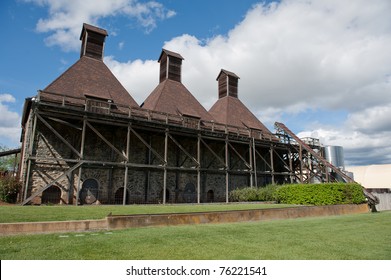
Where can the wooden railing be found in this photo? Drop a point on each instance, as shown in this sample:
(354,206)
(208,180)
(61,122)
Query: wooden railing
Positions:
(104,107)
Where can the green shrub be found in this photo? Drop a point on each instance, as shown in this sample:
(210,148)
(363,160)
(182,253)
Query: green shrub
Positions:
(253,194)
(9,189)
(321,194)
(305,194)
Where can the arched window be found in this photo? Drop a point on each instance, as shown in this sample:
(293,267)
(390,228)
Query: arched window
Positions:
(89,192)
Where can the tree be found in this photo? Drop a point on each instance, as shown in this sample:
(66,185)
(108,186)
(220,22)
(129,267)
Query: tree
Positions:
(9,162)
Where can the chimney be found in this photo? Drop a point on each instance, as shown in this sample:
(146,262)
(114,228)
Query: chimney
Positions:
(228,84)
(170,66)
(93,41)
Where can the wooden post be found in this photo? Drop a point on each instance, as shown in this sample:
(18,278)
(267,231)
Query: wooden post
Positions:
(251,164)
(30,153)
(301,163)
(255,164)
(165,167)
(226,171)
(83,136)
(291,171)
(126,166)
(272,163)
(199,169)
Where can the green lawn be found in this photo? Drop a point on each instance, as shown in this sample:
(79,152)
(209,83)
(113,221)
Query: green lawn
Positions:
(360,236)
(11,214)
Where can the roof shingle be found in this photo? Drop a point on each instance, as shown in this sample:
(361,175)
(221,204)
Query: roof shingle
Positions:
(174,98)
(90,77)
(231,111)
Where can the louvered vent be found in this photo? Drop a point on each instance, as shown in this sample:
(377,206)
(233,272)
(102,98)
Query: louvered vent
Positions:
(93,41)
(170,66)
(228,84)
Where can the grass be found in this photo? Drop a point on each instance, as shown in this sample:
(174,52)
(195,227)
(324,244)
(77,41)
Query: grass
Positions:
(12,214)
(359,237)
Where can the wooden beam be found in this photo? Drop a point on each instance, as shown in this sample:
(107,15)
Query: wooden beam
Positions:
(240,156)
(198,169)
(148,146)
(126,168)
(183,149)
(214,153)
(226,171)
(165,167)
(106,141)
(52,182)
(264,160)
(58,135)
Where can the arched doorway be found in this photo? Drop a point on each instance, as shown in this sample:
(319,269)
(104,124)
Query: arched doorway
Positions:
(210,196)
(89,192)
(189,194)
(51,195)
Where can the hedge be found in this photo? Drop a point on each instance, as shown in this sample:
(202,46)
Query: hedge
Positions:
(321,194)
(305,194)
(267,193)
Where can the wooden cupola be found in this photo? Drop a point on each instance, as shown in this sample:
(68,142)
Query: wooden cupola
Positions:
(170,66)
(228,84)
(93,41)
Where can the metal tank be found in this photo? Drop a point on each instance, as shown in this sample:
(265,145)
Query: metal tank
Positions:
(334,155)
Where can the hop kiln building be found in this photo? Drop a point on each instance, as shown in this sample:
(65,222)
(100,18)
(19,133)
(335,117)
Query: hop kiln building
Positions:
(86,141)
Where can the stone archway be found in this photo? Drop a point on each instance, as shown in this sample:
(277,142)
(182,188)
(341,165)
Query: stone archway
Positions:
(189,194)
(51,195)
(210,196)
(89,192)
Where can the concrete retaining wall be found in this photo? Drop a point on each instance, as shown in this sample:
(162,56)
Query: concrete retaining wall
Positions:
(127,221)
(52,227)
(120,222)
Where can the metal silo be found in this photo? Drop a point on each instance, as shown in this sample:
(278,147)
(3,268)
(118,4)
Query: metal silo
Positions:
(334,155)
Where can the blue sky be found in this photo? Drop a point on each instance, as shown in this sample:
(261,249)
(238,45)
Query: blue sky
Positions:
(321,67)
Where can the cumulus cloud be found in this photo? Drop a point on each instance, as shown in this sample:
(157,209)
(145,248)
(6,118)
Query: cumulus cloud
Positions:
(298,57)
(138,76)
(65,17)
(10,121)
(293,57)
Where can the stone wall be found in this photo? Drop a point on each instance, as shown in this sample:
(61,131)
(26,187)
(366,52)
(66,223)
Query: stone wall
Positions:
(103,175)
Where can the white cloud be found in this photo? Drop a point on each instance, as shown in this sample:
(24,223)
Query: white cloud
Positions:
(299,56)
(364,135)
(359,148)
(292,57)
(66,17)
(5,97)
(138,77)
(10,121)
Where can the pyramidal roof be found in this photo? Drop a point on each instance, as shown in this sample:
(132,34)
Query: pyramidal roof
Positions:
(171,96)
(229,110)
(89,76)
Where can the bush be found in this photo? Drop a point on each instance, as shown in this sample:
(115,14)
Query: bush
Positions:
(321,194)
(253,194)
(305,194)
(9,189)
